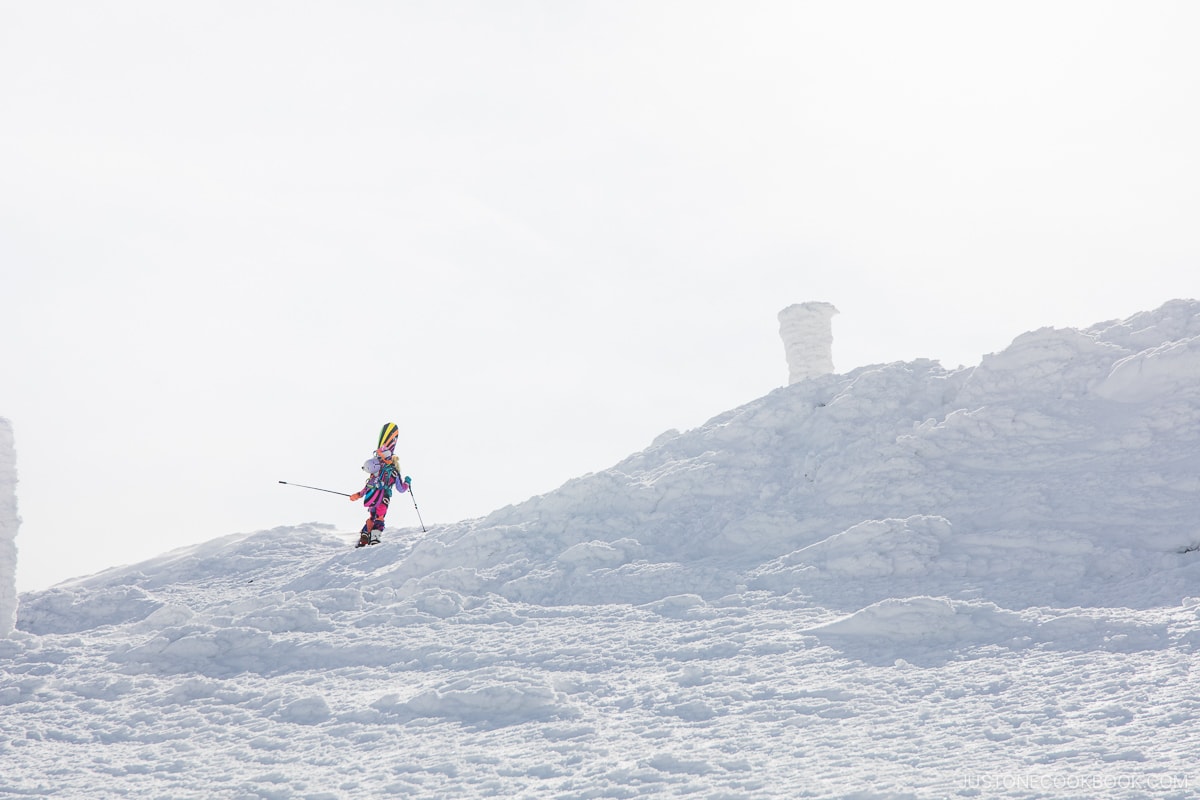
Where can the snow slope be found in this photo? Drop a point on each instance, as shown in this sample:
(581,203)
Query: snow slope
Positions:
(898,582)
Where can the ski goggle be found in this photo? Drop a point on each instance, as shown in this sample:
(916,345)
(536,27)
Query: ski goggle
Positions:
(383,453)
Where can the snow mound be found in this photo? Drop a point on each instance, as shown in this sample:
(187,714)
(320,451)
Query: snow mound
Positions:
(1025,455)
(927,619)
(914,625)
(481,699)
(61,610)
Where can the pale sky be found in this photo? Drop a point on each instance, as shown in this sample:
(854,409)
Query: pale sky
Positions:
(238,237)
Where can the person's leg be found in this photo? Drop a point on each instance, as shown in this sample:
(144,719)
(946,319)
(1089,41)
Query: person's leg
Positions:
(378,512)
(368,528)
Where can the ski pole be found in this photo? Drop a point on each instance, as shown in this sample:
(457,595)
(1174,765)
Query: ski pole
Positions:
(414,499)
(302,486)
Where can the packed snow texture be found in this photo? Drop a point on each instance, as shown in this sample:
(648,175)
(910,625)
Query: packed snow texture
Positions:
(807,333)
(900,582)
(9,522)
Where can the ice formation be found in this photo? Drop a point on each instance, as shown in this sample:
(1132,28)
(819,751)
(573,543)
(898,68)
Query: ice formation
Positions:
(8,529)
(807,331)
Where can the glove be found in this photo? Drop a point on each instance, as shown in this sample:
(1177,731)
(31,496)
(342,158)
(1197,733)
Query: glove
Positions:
(356,496)
(408,480)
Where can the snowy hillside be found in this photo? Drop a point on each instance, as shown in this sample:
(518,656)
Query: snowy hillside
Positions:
(902,581)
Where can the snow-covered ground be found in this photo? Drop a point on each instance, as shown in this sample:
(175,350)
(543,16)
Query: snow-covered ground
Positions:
(898,582)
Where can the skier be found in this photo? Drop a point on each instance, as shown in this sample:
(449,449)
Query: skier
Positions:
(383,469)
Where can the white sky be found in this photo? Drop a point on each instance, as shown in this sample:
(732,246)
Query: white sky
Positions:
(236,238)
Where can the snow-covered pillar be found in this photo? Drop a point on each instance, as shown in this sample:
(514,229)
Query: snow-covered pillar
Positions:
(8,529)
(807,332)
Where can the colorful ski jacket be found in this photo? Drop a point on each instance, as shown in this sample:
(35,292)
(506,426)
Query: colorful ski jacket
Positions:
(385,476)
